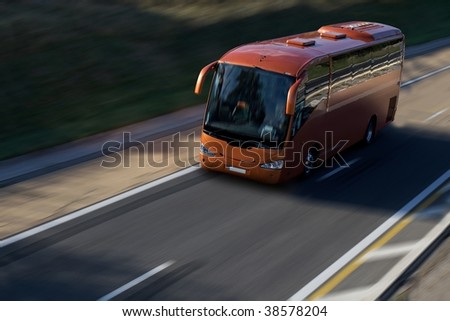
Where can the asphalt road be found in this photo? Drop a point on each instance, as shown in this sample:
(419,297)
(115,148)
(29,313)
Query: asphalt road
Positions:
(232,239)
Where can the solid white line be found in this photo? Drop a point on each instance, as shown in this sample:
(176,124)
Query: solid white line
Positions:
(89,209)
(389,251)
(337,170)
(136,281)
(412,81)
(436,114)
(372,237)
(94,207)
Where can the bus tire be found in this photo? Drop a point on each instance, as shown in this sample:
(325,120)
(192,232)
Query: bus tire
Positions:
(370,133)
(311,158)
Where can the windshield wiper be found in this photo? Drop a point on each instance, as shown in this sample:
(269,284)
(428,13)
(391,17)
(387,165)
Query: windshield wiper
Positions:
(217,133)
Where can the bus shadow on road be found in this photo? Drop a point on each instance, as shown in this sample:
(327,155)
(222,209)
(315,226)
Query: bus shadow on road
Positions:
(401,163)
(384,176)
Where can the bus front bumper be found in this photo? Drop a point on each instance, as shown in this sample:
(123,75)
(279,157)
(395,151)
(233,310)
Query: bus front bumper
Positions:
(242,169)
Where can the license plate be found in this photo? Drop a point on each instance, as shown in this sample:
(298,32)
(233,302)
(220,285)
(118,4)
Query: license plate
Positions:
(237,170)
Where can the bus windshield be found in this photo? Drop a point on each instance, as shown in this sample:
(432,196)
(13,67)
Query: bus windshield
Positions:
(248,104)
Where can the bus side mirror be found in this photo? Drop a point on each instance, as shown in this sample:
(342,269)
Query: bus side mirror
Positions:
(202,76)
(291,98)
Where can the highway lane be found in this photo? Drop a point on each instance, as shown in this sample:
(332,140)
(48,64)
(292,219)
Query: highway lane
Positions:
(233,239)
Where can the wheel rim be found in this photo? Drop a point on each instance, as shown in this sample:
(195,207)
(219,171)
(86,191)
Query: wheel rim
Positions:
(370,132)
(369,135)
(309,161)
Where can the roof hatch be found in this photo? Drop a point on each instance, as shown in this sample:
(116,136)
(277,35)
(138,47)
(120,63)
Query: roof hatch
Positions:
(300,42)
(333,35)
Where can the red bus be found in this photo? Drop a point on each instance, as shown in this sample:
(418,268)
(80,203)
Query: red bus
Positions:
(279,108)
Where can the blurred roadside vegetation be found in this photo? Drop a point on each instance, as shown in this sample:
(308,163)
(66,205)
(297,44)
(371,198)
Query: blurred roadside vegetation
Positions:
(70,69)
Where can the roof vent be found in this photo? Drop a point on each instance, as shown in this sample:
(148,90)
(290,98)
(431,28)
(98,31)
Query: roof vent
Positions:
(333,35)
(300,42)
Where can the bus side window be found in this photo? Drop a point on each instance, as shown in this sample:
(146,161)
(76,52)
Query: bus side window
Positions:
(299,106)
(395,54)
(362,62)
(342,72)
(380,60)
(317,85)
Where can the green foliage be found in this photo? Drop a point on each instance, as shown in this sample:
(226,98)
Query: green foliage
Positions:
(74,68)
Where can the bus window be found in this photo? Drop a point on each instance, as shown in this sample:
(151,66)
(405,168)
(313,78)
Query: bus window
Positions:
(248,104)
(317,84)
(299,106)
(316,88)
(342,72)
(379,60)
(395,54)
(312,93)
(362,62)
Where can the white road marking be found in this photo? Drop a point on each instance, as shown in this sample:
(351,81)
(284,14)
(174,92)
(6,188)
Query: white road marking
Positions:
(69,217)
(320,279)
(436,114)
(136,281)
(337,170)
(389,251)
(114,199)
(430,74)
(373,291)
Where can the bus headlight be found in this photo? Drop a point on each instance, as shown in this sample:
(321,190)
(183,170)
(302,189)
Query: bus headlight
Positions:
(206,151)
(273,165)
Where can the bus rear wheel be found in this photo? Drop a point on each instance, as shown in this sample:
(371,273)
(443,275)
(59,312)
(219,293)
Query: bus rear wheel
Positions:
(369,136)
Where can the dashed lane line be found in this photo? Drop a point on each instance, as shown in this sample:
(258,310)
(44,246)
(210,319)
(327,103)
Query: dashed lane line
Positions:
(136,281)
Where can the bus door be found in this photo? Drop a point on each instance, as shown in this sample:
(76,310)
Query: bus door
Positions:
(313,114)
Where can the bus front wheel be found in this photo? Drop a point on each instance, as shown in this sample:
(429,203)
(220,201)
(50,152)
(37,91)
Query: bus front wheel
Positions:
(311,160)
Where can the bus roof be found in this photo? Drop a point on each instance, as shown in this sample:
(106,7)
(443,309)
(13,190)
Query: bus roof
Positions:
(288,55)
